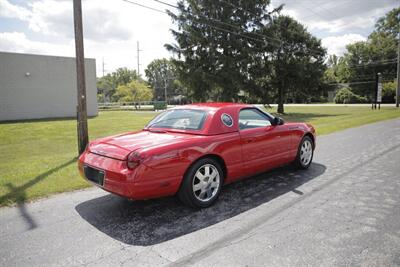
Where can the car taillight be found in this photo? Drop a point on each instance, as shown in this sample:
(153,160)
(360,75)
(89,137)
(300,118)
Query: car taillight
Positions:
(133,160)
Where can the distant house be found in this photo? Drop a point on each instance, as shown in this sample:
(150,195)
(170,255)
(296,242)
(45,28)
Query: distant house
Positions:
(38,86)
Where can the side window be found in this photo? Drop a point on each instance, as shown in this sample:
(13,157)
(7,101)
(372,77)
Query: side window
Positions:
(252,118)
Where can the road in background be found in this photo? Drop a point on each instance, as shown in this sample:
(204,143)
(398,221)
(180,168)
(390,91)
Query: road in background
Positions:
(344,210)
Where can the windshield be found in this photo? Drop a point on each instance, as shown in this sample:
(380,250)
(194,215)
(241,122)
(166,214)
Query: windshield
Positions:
(183,119)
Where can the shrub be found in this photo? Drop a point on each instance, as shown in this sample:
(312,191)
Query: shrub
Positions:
(346,96)
(389,92)
(160,105)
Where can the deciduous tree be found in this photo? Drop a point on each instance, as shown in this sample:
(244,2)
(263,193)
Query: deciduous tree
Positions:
(108,84)
(134,91)
(162,76)
(363,60)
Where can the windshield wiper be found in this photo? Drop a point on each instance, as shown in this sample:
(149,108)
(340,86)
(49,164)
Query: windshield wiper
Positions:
(156,131)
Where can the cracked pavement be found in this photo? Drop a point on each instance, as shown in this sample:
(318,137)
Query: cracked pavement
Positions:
(344,210)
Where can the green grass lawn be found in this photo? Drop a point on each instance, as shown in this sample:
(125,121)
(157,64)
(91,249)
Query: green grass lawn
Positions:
(331,119)
(38,158)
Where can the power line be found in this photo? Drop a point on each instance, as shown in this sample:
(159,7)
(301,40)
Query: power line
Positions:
(372,63)
(213,26)
(363,82)
(210,25)
(324,17)
(368,65)
(232,5)
(343,24)
(236,27)
(244,34)
(315,12)
(367,77)
(376,61)
(261,35)
(309,9)
(165,3)
(222,22)
(280,41)
(320,6)
(144,6)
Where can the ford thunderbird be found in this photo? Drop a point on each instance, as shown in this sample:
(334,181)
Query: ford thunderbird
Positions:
(193,150)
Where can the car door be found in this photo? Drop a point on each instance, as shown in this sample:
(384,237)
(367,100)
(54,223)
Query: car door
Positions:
(262,143)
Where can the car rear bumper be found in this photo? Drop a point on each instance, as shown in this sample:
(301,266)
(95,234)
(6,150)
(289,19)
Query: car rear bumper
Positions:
(140,183)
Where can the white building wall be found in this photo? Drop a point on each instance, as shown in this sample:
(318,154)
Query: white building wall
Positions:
(36,86)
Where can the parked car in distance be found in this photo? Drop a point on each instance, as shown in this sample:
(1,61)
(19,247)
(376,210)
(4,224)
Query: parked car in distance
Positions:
(193,150)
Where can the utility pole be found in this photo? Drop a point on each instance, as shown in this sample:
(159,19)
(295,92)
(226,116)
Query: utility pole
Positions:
(104,90)
(165,91)
(138,59)
(398,74)
(82,128)
(379,91)
(103,66)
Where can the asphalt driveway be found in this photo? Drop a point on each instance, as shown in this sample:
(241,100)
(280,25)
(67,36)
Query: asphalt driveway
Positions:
(344,210)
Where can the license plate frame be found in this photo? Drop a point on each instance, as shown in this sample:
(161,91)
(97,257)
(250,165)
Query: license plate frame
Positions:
(94,175)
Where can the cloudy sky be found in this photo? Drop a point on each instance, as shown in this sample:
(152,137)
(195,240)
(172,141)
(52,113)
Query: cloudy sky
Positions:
(112,28)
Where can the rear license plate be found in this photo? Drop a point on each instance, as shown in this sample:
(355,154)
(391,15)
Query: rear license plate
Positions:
(94,175)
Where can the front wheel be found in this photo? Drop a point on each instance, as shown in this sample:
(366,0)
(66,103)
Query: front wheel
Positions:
(202,183)
(305,153)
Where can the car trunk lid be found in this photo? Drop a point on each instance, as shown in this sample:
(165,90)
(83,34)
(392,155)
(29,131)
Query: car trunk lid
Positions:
(120,146)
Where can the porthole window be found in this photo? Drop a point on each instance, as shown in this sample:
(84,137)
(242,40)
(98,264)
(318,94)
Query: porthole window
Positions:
(227,120)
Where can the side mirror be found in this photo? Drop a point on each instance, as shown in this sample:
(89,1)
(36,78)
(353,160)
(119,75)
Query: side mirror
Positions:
(278,121)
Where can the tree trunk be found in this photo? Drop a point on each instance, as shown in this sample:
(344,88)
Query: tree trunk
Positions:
(281,87)
(280,100)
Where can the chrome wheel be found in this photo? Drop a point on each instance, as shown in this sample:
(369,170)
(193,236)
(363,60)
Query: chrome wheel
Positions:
(206,182)
(306,152)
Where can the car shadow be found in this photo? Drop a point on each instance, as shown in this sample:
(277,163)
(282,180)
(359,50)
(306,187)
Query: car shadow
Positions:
(150,222)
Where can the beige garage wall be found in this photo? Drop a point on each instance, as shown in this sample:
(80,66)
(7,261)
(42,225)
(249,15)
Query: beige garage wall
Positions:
(37,86)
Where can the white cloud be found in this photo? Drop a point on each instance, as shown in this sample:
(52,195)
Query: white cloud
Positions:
(341,21)
(337,44)
(18,42)
(111,30)
(115,53)
(9,10)
(341,25)
(102,22)
(337,16)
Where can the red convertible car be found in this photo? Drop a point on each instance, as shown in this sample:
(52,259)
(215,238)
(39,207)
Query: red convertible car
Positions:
(193,150)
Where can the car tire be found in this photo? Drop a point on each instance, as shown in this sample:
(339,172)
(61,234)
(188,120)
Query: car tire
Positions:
(202,183)
(305,153)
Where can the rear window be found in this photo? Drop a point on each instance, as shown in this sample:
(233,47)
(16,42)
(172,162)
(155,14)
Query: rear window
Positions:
(183,119)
